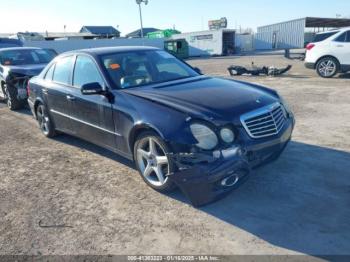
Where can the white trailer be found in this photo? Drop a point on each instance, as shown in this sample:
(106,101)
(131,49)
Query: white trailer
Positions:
(209,43)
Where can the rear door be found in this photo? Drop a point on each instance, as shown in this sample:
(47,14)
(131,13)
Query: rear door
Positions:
(56,92)
(92,115)
(341,47)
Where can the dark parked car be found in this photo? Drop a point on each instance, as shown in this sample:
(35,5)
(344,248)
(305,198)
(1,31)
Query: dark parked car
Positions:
(17,65)
(181,128)
(8,42)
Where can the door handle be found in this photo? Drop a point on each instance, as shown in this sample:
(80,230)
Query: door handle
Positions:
(340,46)
(70,98)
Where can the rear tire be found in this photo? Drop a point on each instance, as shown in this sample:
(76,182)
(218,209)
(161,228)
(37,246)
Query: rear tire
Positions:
(327,67)
(153,163)
(45,124)
(3,96)
(11,98)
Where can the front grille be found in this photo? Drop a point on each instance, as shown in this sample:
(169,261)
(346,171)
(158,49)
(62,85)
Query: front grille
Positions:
(264,122)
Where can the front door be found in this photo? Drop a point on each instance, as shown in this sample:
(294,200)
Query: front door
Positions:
(92,115)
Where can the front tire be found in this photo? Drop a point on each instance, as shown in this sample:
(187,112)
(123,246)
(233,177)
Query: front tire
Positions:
(153,163)
(44,121)
(327,67)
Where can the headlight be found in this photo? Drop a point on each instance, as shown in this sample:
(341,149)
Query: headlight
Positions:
(206,137)
(227,135)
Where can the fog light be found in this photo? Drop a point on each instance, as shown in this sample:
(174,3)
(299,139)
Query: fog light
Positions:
(230,181)
(227,135)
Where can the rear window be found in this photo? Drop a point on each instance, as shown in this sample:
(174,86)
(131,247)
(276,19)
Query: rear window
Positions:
(63,70)
(26,56)
(324,36)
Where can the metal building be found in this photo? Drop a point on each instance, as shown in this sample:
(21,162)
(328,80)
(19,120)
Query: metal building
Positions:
(244,42)
(209,43)
(295,33)
(101,31)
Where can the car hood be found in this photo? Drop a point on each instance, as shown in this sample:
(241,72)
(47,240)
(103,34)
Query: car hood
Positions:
(27,70)
(209,98)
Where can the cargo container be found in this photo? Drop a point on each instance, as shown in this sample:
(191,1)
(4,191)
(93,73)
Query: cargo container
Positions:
(209,43)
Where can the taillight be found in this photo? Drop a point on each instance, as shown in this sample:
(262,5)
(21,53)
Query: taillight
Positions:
(310,46)
(28,88)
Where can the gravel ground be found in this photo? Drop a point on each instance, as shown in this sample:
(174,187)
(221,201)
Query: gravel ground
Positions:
(66,196)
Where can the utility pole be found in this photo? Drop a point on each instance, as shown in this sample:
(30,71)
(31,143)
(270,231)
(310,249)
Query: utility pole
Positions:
(139,2)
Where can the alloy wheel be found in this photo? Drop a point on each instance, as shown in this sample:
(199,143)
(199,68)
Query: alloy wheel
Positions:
(43,120)
(153,162)
(327,68)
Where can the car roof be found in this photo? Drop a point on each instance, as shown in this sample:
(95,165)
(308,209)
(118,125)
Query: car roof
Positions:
(334,30)
(19,48)
(109,50)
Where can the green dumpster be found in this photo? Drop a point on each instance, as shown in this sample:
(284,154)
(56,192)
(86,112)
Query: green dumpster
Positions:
(178,48)
(163,33)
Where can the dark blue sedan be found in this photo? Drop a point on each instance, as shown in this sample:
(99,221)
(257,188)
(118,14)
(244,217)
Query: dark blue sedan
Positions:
(183,129)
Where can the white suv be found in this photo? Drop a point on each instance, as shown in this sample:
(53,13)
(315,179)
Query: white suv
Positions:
(329,54)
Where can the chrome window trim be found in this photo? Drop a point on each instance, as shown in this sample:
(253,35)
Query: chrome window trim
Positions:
(83,122)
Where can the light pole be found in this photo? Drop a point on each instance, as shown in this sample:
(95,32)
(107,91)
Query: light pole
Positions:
(139,2)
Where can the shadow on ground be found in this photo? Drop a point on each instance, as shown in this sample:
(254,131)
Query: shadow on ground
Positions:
(345,76)
(300,202)
(73,141)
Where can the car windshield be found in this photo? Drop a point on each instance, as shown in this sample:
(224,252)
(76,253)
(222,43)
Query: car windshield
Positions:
(139,68)
(324,36)
(26,56)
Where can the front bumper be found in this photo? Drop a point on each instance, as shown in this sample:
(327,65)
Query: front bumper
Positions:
(205,179)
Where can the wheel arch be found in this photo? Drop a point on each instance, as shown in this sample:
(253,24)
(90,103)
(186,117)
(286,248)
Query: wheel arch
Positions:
(137,130)
(37,102)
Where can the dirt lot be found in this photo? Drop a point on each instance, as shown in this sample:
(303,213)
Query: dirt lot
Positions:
(66,196)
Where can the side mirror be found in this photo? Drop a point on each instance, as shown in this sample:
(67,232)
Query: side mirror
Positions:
(92,89)
(198,70)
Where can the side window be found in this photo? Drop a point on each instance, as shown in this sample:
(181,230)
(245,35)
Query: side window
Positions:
(49,73)
(85,72)
(341,38)
(63,70)
(347,37)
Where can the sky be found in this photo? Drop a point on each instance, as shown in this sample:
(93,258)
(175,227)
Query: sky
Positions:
(185,15)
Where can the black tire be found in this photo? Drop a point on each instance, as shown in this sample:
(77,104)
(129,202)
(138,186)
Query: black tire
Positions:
(45,123)
(11,98)
(3,96)
(327,67)
(168,185)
